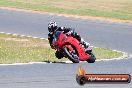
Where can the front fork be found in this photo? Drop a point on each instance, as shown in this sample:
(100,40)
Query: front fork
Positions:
(70,48)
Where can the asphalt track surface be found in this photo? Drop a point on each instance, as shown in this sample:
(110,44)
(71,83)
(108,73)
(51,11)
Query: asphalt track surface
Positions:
(98,33)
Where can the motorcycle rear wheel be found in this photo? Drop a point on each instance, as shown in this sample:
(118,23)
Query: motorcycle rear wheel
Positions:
(92,58)
(70,56)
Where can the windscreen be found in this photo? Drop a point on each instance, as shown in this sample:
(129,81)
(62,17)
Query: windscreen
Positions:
(57,35)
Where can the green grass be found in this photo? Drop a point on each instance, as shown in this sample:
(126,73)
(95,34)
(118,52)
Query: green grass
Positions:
(16,49)
(21,49)
(119,9)
(106,53)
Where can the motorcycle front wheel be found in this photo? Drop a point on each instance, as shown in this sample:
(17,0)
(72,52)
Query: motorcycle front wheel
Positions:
(71,55)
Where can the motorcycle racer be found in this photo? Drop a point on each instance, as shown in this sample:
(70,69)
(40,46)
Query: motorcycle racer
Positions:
(52,28)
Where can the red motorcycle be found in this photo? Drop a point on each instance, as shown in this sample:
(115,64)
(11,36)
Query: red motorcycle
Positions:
(70,47)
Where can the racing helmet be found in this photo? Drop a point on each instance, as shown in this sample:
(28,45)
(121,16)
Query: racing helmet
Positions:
(52,26)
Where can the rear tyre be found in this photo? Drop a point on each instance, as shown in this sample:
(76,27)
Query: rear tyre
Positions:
(92,58)
(71,56)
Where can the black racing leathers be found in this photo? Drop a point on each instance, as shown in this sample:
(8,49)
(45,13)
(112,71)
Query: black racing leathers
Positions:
(68,31)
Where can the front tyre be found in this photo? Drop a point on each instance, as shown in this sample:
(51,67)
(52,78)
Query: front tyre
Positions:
(71,56)
(92,58)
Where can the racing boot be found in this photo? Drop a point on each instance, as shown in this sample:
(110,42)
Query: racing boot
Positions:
(86,44)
